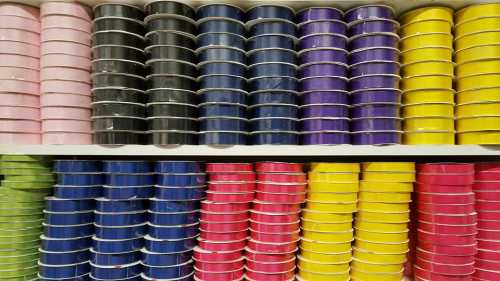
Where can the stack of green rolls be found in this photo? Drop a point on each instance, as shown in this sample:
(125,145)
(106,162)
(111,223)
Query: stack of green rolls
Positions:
(26,181)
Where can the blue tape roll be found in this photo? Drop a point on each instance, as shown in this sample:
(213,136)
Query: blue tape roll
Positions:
(180,193)
(61,258)
(225,68)
(105,259)
(273,26)
(283,138)
(118,233)
(178,167)
(271,41)
(216,53)
(172,232)
(130,179)
(72,218)
(221,39)
(127,167)
(113,272)
(223,124)
(63,271)
(273,97)
(54,204)
(223,95)
(275,83)
(272,55)
(225,25)
(177,218)
(67,231)
(222,82)
(127,192)
(161,259)
(169,272)
(272,69)
(222,138)
(274,110)
(80,179)
(119,206)
(77,166)
(272,124)
(117,246)
(77,192)
(158,205)
(270,11)
(65,244)
(120,219)
(195,179)
(85,277)
(222,109)
(169,246)
(220,11)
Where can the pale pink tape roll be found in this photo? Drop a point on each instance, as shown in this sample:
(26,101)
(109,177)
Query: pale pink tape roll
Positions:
(65,73)
(14,99)
(68,48)
(20,23)
(18,86)
(19,112)
(55,99)
(65,8)
(19,48)
(61,86)
(66,34)
(73,113)
(18,35)
(19,61)
(63,60)
(64,125)
(66,138)
(13,9)
(20,126)
(64,21)
(18,73)
(20,138)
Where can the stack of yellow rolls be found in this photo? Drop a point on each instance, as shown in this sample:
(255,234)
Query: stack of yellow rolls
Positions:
(381,225)
(477,45)
(427,70)
(327,231)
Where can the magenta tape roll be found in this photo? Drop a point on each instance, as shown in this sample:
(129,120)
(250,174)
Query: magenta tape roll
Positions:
(20,36)
(55,112)
(65,34)
(19,138)
(232,186)
(63,60)
(13,9)
(19,48)
(65,73)
(21,23)
(14,99)
(19,61)
(30,75)
(66,21)
(18,86)
(66,138)
(267,207)
(19,112)
(60,86)
(20,126)
(77,126)
(65,8)
(228,265)
(55,99)
(67,48)
(200,254)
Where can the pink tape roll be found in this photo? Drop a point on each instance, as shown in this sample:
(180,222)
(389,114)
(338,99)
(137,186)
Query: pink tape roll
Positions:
(68,48)
(19,61)
(13,9)
(14,99)
(17,73)
(19,48)
(66,138)
(65,73)
(66,21)
(19,112)
(20,126)
(20,138)
(62,60)
(55,125)
(65,34)
(65,8)
(17,22)
(73,113)
(60,86)
(18,35)
(18,86)
(55,99)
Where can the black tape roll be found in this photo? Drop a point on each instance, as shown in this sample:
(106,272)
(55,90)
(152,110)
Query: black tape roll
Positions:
(172,109)
(118,38)
(118,123)
(114,23)
(118,109)
(172,123)
(118,52)
(169,22)
(171,95)
(169,7)
(171,82)
(101,80)
(171,67)
(118,94)
(171,38)
(171,52)
(118,10)
(118,137)
(118,66)
(166,138)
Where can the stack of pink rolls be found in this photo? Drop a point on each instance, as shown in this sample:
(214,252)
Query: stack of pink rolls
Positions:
(19,74)
(65,73)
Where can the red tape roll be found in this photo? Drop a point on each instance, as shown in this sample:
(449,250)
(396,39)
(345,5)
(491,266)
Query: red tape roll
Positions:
(490,167)
(200,254)
(487,274)
(274,227)
(487,264)
(424,275)
(446,259)
(226,197)
(466,229)
(440,198)
(487,195)
(278,167)
(486,186)
(488,244)
(229,177)
(446,269)
(487,176)
(229,167)
(225,246)
(269,257)
(223,217)
(274,217)
(487,254)
(446,168)
(287,198)
(446,209)
(211,206)
(284,178)
(273,187)
(482,205)
(446,179)
(218,276)
(490,225)
(224,226)
(487,234)
(267,207)
(430,188)
(447,218)
(276,248)
(275,238)
(445,239)
(229,265)
(488,215)
(453,250)
(270,267)
(229,187)
(257,275)
(223,236)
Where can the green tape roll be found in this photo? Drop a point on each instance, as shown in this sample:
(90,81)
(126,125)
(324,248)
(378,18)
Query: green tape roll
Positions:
(24,172)
(21,231)
(22,205)
(20,245)
(18,265)
(21,218)
(20,212)
(21,224)
(20,238)
(10,194)
(24,158)
(14,252)
(19,272)
(19,258)
(34,178)
(24,165)
(31,277)
(27,184)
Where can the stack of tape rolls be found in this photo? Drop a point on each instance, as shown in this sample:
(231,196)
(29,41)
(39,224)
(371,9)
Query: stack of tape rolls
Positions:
(374,74)
(327,231)
(323,76)
(27,180)
(275,215)
(171,73)
(477,54)
(69,221)
(427,70)
(381,243)
(19,74)
(222,79)
(118,108)
(446,233)
(486,188)
(65,73)
(224,222)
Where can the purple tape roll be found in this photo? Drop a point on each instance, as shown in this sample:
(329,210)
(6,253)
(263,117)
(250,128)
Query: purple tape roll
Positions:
(388,81)
(376,138)
(369,12)
(324,110)
(331,138)
(320,83)
(336,97)
(319,13)
(373,25)
(322,55)
(376,96)
(374,54)
(323,26)
(323,41)
(371,40)
(374,67)
(376,124)
(324,124)
(322,69)
(375,110)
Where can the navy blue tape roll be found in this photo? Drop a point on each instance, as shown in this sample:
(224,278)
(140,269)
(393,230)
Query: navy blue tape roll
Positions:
(169,272)
(125,232)
(161,259)
(273,97)
(222,109)
(128,192)
(273,26)
(272,69)
(272,55)
(133,278)
(77,192)
(222,82)
(126,167)
(274,110)
(275,138)
(80,179)
(271,11)
(169,246)
(225,25)
(118,206)
(226,68)
(178,167)
(223,95)
(223,124)
(157,205)
(54,204)
(116,272)
(68,231)
(77,166)
(220,11)
(274,83)
(85,277)
(221,39)
(117,246)
(173,232)
(73,218)
(65,244)
(271,41)
(181,179)
(64,271)
(178,218)
(274,124)
(180,193)
(120,219)
(222,54)
(60,258)
(129,179)
(114,258)
(222,138)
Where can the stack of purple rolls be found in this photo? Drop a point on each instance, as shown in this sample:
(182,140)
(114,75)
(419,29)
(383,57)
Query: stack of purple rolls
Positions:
(323,77)
(374,75)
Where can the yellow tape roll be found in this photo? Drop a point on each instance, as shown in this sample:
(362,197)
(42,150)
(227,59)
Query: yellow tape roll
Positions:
(383,237)
(323,167)
(479,95)
(319,276)
(371,186)
(428,137)
(425,26)
(484,123)
(381,227)
(433,39)
(380,258)
(327,258)
(427,13)
(383,207)
(318,186)
(428,67)
(313,266)
(399,197)
(323,247)
(384,217)
(477,39)
(329,237)
(343,208)
(429,124)
(422,82)
(477,25)
(482,52)
(428,110)
(478,109)
(478,81)
(314,215)
(429,96)
(478,67)
(380,247)
(326,227)
(376,267)
(479,137)
(389,176)
(331,197)
(358,275)
(477,11)
(333,177)
(388,167)
(426,53)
